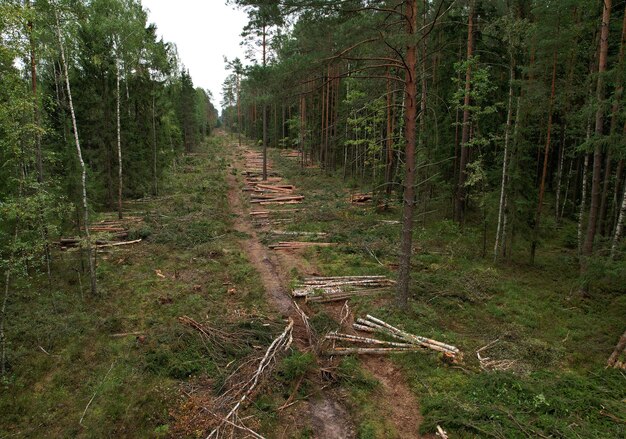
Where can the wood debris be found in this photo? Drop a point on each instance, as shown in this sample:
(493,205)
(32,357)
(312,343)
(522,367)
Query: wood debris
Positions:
(614,360)
(294,245)
(107,233)
(273,199)
(487,363)
(331,289)
(441,432)
(291,233)
(280,344)
(373,325)
(290,153)
(360,198)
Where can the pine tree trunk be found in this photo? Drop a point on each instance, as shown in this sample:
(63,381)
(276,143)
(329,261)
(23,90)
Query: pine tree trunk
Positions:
(459,211)
(597,154)
(544,172)
(119,141)
(238,111)
(92,268)
(559,177)
(615,110)
(3,310)
(155,180)
(388,141)
(264,43)
(406,244)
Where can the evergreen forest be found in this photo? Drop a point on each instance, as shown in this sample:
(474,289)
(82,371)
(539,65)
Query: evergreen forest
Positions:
(405,220)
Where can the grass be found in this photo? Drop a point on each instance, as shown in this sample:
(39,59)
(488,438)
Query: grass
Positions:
(61,352)
(559,339)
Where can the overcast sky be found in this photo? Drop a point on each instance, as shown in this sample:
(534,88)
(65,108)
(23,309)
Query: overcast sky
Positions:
(204,31)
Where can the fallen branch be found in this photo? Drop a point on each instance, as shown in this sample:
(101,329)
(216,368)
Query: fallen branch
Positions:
(372,324)
(95,393)
(441,432)
(283,245)
(487,363)
(280,343)
(365,351)
(116,244)
(613,360)
(366,340)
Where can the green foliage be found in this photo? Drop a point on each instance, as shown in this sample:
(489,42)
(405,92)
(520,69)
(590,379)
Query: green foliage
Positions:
(296,365)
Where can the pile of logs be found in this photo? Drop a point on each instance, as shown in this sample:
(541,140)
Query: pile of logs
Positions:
(331,289)
(295,245)
(406,342)
(360,198)
(264,188)
(290,153)
(108,233)
(276,199)
(290,233)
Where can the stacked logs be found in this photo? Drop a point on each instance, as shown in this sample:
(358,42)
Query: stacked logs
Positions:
(109,233)
(360,198)
(330,289)
(406,342)
(290,153)
(296,245)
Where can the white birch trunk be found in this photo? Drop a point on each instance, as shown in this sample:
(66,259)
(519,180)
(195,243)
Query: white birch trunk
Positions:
(559,179)
(119,142)
(507,136)
(619,228)
(583,201)
(92,268)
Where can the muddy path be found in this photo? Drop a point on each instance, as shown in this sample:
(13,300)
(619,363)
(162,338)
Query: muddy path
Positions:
(395,401)
(328,417)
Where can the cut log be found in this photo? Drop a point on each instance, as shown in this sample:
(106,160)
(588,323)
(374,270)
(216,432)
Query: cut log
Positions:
(619,349)
(372,324)
(366,340)
(360,198)
(263,199)
(283,232)
(116,244)
(297,245)
(367,351)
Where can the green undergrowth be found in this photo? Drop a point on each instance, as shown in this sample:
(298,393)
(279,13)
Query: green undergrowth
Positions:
(67,356)
(557,339)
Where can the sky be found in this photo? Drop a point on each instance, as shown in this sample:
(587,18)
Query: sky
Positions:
(204,31)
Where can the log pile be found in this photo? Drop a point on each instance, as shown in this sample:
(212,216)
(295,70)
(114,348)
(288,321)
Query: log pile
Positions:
(295,245)
(293,153)
(291,233)
(330,289)
(406,342)
(107,233)
(360,198)
(276,199)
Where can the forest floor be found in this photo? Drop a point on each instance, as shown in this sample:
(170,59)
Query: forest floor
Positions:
(122,364)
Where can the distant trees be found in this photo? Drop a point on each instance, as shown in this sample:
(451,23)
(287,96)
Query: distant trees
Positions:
(89,115)
(502,104)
